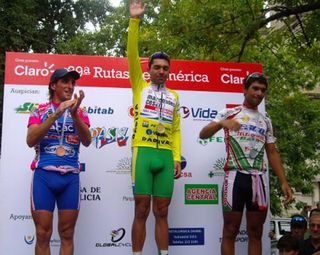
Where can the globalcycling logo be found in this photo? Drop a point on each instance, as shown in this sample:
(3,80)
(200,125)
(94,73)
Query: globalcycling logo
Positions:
(198,113)
(29,239)
(26,108)
(98,110)
(116,237)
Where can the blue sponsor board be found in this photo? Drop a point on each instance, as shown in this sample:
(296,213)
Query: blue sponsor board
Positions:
(186,236)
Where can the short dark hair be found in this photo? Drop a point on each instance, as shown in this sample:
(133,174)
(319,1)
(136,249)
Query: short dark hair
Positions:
(160,55)
(251,78)
(314,212)
(288,243)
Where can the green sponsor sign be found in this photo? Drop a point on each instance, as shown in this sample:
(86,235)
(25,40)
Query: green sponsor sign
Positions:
(26,108)
(201,194)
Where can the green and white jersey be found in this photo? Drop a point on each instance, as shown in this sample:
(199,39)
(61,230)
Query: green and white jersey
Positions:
(245,147)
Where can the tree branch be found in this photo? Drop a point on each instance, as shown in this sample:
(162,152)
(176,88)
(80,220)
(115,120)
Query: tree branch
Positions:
(282,11)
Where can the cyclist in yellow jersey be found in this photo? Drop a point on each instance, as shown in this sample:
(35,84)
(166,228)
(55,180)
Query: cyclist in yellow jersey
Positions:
(155,141)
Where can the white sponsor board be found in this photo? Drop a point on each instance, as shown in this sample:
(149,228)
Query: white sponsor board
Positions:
(104,224)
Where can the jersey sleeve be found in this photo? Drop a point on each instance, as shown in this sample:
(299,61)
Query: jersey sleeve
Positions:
(84,116)
(176,133)
(222,115)
(34,117)
(135,71)
(270,138)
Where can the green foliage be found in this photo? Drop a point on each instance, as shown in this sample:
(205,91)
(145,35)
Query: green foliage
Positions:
(297,127)
(38,25)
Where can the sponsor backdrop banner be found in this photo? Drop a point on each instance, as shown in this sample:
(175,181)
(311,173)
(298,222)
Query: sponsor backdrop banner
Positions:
(104,223)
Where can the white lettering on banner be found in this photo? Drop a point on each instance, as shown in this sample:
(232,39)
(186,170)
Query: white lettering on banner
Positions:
(21,70)
(99,72)
(109,74)
(232,79)
(189,77)
(82,70)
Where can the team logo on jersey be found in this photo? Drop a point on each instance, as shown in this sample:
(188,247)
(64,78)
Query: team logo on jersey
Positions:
(145,124)
(245,118)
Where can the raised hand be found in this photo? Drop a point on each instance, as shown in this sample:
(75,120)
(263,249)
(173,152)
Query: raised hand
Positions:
(64,106)
(231,124)
(137,8)
(78,100)
(287,191)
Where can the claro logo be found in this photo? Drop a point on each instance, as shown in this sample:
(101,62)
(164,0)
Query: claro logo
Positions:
(231,79)
(22,70)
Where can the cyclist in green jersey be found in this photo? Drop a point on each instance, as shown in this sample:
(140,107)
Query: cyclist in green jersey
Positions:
(155,141)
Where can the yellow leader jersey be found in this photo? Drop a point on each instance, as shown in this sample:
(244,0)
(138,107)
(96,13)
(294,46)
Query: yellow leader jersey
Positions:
(152,104)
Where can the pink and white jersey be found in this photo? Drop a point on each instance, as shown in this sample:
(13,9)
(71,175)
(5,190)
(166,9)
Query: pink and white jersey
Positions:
(245,147)
(46,156)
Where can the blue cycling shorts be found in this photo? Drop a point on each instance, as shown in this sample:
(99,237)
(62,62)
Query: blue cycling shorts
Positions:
(51,187)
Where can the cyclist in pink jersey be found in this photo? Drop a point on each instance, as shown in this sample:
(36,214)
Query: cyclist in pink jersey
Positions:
(55,130)
(248,133)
